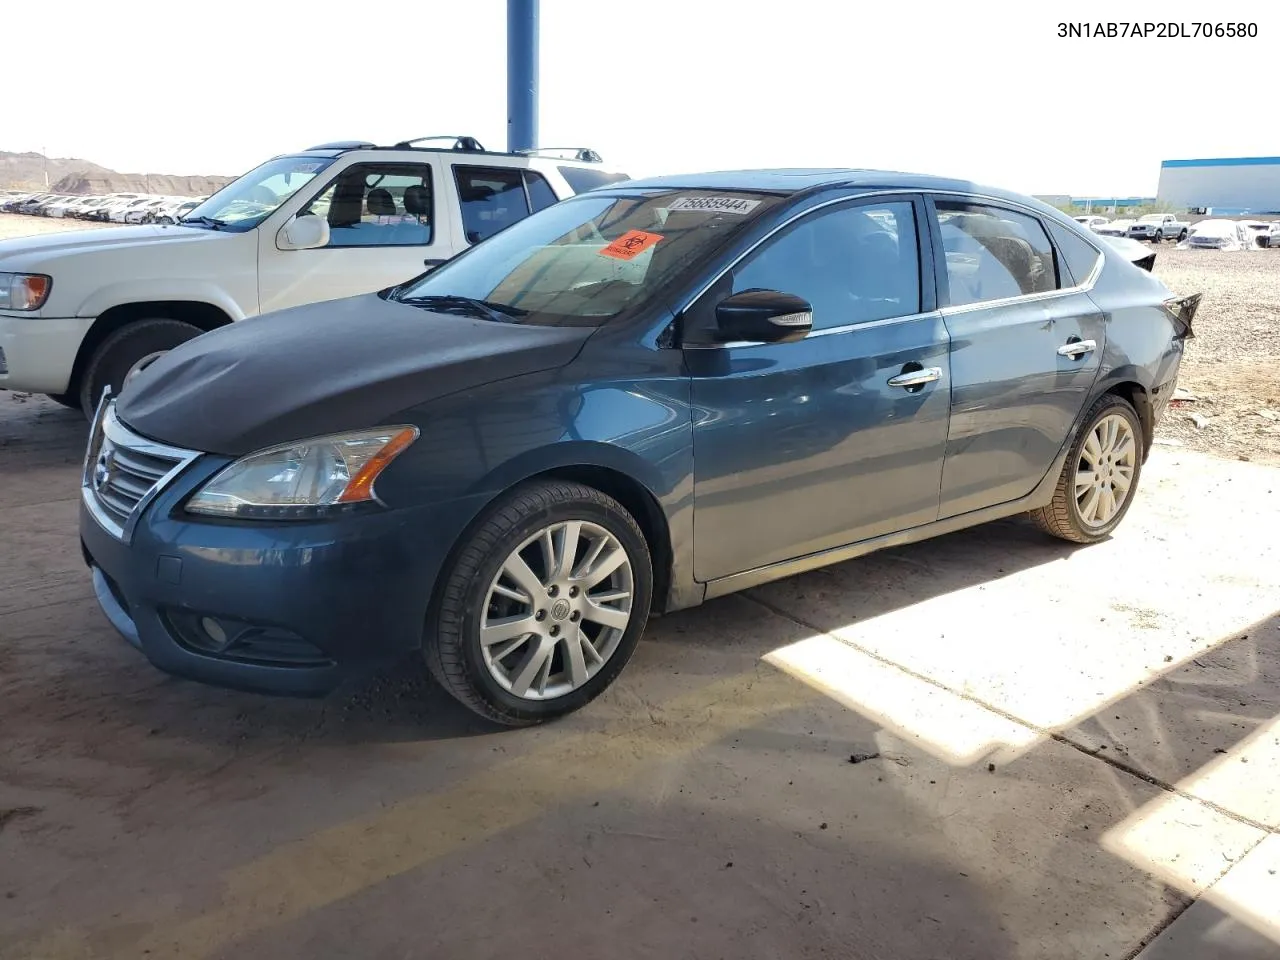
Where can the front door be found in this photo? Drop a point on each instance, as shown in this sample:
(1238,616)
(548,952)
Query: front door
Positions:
(805,446)
(1026,343)
(386,225)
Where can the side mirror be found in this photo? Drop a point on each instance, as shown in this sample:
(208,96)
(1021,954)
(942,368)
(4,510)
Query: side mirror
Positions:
(303,233)
(763,316)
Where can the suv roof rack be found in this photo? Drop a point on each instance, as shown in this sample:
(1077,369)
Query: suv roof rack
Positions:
(344,145)
(585,154)
(469,144)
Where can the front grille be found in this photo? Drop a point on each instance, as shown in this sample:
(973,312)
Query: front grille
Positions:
(123,471)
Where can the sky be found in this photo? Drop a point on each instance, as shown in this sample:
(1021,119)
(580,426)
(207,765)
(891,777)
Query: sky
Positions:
(981,91)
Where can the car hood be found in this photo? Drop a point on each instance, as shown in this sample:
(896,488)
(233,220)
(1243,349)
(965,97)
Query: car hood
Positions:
(50,246)
(326,368)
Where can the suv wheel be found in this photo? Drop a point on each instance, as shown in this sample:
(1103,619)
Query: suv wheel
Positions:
(126,353)
(1099,477)
(1182,236)
(543,604)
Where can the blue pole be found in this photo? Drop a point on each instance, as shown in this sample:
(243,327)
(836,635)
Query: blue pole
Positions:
(522,74)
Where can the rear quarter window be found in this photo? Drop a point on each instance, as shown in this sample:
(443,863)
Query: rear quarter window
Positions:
(1080,256)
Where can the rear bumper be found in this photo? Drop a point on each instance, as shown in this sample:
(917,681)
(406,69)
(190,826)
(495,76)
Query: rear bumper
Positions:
(40,352)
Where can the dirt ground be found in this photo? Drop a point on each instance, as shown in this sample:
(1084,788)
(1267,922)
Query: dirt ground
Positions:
(989,746)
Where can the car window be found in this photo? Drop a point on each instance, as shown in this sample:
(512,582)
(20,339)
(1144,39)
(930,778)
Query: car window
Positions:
(541,195)
(590,258)
(1080,255)
(854,264)
(492,199)
(377,205)
(993,253)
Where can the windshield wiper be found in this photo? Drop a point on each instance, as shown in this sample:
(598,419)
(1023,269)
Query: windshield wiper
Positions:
(211,222)
(485,309)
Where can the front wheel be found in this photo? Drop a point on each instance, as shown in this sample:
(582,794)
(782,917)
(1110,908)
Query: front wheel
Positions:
(1182,236)
(126,353)
(1099,477)
(543,604)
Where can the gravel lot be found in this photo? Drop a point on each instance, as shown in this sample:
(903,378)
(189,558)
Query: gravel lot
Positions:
(1232,367)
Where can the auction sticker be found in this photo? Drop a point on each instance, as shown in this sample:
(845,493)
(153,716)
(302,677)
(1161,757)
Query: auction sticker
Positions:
(630,245)
(714,204)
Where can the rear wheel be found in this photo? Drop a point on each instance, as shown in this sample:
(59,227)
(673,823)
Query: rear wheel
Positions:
(1099,477)
(126,353)
(543,604)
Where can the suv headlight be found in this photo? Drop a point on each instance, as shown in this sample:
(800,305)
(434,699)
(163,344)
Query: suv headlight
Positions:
(303,480)
(24,291)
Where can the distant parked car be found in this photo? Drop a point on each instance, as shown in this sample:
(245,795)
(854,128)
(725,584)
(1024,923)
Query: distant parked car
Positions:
(34,203)
(1218,235)
(1259,231)
(1091,221)
(1158,227)
(11,203)
(63,207)
(175,212)
(141,212)
(1115,228)
(120,212)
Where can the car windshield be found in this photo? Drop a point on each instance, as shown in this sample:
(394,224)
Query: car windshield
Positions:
(588,259)
(246,202)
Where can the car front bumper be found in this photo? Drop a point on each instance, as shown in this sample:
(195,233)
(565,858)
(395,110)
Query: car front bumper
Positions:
(40,352)
(281,608)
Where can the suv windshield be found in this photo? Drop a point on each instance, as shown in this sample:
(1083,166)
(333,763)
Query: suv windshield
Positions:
(246,202)
(588,259)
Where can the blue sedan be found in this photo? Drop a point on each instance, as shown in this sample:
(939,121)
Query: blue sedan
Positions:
(634,401)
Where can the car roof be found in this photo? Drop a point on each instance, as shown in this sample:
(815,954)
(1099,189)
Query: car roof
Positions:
(796,180)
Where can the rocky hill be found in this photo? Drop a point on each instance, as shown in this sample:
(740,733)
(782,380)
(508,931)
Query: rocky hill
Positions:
(26,171)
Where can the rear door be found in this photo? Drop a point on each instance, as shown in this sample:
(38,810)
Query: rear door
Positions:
(385,227)
(1026,345)
(805,446)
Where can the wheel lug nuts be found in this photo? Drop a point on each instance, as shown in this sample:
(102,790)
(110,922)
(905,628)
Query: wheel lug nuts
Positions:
(573,591)
(555,631)
(552,590)
(540,615)
(575,616)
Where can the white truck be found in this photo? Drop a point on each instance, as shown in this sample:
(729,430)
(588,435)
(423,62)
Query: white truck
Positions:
(1157,227)
(81,311)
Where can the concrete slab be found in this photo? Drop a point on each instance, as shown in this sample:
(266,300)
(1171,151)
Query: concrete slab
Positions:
(707,805)
(1236,920)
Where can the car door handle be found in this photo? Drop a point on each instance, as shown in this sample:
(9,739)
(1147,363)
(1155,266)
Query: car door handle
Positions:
(1077,348)
(433,263)
(916,378)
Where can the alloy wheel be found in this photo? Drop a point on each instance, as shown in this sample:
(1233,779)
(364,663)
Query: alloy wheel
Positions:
(556,610)
(1105,471)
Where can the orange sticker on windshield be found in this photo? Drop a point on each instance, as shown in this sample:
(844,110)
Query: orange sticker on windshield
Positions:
(630,245)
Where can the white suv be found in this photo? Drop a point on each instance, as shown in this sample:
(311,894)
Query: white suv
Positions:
(85,310)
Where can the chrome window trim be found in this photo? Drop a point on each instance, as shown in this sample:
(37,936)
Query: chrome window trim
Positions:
(106,424)
(1084,287)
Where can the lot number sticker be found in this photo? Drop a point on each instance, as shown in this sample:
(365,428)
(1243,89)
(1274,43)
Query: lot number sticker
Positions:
(715,204)
(630,245)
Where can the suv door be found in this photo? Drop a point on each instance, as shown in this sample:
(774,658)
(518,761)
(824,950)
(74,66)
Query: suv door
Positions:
(1026,345)
(806,446)
(385,227)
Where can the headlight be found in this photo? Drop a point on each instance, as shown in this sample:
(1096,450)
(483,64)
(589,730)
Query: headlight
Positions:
(24,291)
(303,480)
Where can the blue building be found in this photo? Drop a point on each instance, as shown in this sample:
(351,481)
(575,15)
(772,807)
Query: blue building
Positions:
(1223,186)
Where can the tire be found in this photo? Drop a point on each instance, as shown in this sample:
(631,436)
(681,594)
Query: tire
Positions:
(116,356)
(468,592)
(1158,237)
(1182,236)
(70,400)
(1064,516)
